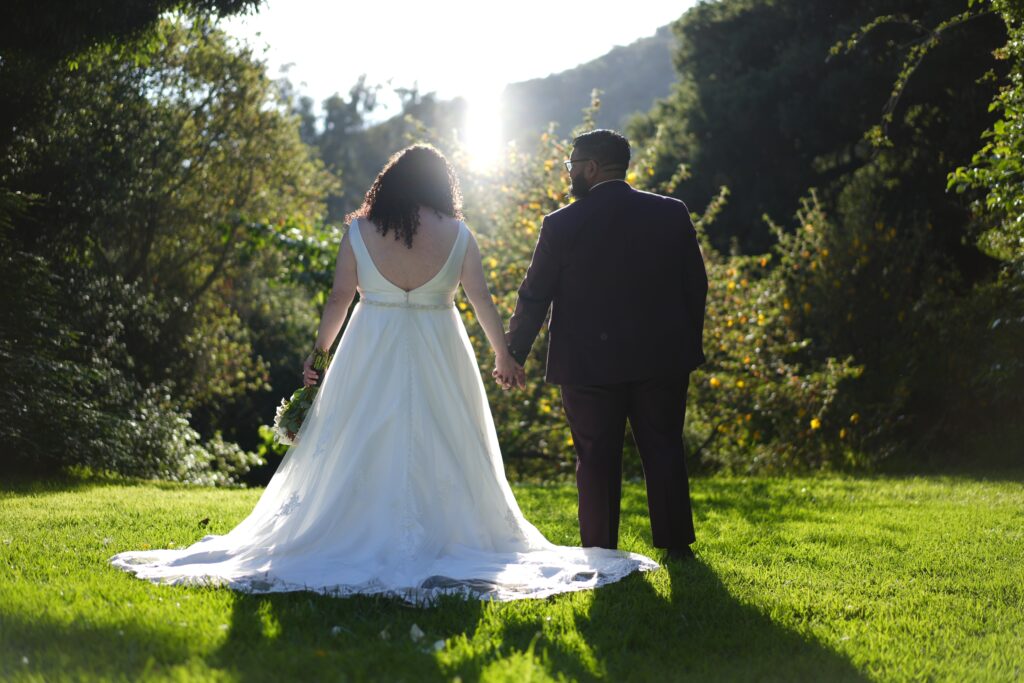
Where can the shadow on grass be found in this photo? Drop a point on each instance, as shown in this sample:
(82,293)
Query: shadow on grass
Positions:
(701,633)
(49,650)
(623,631)
(630,632)
(309,636)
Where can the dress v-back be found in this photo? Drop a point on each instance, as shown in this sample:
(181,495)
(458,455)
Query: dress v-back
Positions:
(437,291)
(396,484)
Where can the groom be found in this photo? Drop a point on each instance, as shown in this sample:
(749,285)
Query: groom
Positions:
(624,277)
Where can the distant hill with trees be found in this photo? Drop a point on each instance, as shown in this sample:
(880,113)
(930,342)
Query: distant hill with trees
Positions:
(354,148)
(631,78)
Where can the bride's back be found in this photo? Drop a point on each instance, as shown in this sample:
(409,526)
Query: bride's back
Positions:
(411,267)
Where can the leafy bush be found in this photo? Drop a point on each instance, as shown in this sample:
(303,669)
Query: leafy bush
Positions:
(941,356)
(762,403)
(146,276)
(70,396)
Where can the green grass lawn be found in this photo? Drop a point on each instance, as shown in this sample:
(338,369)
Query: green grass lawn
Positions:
(797,579)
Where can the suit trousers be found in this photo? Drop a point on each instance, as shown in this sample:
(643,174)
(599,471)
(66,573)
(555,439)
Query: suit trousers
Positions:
(655,409)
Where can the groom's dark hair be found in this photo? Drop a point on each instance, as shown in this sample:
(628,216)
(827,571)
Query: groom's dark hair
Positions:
(609,149)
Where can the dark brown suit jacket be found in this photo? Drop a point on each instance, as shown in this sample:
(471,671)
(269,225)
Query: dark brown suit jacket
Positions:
(624,277)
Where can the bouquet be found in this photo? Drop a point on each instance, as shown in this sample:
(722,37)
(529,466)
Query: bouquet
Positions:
(292,411)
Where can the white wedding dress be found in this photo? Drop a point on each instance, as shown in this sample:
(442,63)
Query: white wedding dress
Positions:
(396,485)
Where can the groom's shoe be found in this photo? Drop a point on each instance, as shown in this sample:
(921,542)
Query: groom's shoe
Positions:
(680,554)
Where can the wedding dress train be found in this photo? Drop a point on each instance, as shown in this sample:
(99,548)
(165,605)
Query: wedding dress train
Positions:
(396,484)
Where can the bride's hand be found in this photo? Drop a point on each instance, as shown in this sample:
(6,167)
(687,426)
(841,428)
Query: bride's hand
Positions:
(310,376)
(507,372)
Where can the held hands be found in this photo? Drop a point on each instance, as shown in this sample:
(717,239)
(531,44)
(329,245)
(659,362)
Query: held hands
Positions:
(508,373)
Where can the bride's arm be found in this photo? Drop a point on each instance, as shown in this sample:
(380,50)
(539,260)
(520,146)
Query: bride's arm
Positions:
(336,308)
(479,294)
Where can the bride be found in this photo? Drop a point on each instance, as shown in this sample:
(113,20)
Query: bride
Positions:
(396,485)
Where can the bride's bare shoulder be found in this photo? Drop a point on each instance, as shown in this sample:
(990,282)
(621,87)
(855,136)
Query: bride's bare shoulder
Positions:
(441,225)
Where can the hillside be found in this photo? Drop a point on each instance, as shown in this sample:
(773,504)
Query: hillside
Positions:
(631,78)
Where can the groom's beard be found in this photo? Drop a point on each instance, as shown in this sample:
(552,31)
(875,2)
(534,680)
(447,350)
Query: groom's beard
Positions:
(578,187)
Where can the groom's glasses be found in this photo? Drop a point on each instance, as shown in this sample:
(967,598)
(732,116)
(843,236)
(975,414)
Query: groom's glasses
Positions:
(569,162)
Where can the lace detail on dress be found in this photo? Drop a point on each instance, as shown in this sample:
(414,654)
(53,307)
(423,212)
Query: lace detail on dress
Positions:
(513,523)
(289,505)
(425,594)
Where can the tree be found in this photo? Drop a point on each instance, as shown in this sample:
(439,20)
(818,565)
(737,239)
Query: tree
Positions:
(174,177)
(343,146)
(37,38)
(996,172)
(765,108)
(850,116)
(355,151)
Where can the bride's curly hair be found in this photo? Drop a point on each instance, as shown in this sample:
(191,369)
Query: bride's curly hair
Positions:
(418,175)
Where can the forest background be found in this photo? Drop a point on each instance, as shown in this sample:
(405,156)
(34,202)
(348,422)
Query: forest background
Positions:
(170,215)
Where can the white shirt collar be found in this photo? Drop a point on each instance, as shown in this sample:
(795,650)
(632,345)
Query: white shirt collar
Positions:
(611,180)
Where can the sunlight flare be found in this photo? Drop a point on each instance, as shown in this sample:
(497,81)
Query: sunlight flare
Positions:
(483,135)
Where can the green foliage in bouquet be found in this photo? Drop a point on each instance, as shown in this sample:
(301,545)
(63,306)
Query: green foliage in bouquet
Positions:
(292,411)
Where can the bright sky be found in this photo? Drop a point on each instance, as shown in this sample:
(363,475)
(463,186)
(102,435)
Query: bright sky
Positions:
(471,48)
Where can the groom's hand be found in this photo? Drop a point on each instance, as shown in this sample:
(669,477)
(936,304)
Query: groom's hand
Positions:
(506,370)
(514,379)
(519,380)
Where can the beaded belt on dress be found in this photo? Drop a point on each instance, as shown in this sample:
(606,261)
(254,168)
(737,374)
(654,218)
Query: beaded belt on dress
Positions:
(406,303)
